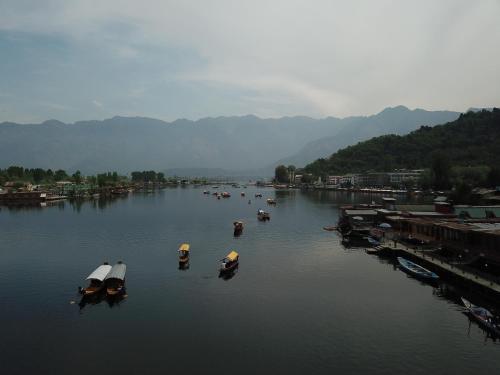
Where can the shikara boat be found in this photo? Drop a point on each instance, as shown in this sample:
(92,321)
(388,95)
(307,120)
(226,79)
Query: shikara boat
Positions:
(416,270)
(96,279)
(230,262)
(238,227)
(271,201)
(226,194)
(263,215)
(183,255)
(115,280)
(483,317)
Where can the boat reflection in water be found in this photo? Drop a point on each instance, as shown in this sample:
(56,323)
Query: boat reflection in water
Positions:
(95,299)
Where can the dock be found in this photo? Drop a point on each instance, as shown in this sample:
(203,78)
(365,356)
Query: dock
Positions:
(428,257)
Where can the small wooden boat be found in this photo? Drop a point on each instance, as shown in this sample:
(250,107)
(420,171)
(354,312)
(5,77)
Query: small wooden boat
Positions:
(330,229)
(230,262)
(258,195)
(206,192)
(416,270)
(226,194)
(96,279)
(115,280)
(183,255)
(271,201)
(482,316)
(238,227)
(263,215)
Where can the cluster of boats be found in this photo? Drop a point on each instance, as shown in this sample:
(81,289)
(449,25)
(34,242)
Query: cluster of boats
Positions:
(481,315)
(228,264)
(106,277)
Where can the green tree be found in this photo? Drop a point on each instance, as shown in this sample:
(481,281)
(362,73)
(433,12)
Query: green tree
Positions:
(77,177)
(494,176)
(60,175)
(281,174)
(441,171)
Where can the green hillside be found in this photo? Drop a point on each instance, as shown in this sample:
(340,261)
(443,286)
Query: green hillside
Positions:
(471,140)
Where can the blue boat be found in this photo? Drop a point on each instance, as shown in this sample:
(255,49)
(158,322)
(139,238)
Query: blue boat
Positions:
(416,270)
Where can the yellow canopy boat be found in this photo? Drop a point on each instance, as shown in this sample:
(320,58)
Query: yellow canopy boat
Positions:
(230,262)
(184,253)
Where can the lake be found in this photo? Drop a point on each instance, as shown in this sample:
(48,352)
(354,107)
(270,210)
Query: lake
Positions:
(300,303)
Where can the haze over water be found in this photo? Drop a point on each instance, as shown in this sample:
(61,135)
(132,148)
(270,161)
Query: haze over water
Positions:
(299,303)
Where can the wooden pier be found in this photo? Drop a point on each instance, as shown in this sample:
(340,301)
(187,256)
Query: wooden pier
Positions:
(429,258)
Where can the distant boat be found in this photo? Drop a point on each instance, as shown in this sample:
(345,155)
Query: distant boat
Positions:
(263,215)
(183,255)
(242,193)
(258,195)
(330,228)
(230,262)
(416,270)
(226,194)
(271,201)
(483,316)
(206,192)
(96,279)
(238,227)
(115,280)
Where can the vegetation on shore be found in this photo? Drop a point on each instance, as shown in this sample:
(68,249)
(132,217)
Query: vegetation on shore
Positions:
(464,151)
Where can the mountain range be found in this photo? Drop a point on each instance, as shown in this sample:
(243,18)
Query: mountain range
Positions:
(244,145)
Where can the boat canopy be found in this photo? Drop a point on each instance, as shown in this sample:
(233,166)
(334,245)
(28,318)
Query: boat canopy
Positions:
(184,247)
(100,272)
(232,256)
(117,272)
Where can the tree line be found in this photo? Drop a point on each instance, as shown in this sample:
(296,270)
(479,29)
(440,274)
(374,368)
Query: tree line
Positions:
(20,175)
(464,152)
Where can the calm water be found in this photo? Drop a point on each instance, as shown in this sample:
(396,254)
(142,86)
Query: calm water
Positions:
(299,304)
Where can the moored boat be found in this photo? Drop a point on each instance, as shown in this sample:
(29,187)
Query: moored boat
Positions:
(184,254)
(263,215)
(482,316)
(115,280)
(417,270)
(238,227)
(96,279)
(230,262)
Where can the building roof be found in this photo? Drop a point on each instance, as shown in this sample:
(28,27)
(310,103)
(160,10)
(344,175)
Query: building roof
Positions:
(360,212)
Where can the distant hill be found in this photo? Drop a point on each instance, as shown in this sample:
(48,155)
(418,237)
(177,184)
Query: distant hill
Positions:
(396,120)
(125,144)
(471,140)
(242,145)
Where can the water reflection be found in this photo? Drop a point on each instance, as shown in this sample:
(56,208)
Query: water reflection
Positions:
(95,299)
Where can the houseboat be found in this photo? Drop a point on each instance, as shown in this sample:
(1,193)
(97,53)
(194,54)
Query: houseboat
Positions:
(115,280)
(183,255)
(230,262)
(96,279)
(238,227)
(263,215)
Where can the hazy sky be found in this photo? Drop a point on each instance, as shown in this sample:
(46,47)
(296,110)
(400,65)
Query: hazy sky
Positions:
(74,60)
